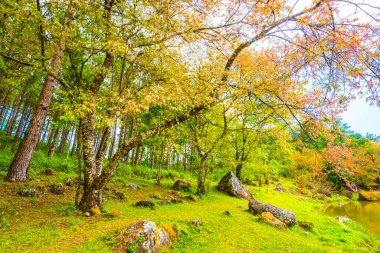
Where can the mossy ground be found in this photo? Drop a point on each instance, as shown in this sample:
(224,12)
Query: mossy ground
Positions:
(49,223)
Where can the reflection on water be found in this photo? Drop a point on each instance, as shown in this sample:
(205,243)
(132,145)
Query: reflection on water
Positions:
(367,213)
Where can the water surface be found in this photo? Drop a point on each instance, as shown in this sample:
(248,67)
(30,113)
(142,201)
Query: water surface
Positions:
(367,213)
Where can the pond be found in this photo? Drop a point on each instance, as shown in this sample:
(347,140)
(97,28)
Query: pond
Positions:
(367,213)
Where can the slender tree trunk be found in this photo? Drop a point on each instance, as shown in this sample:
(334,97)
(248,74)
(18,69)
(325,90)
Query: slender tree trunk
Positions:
(158,180)
(64,136)
(101,154)
(153,157)
(53,145)
(18,168)
(20,124)
(79,160)
(4,105)
(201,171)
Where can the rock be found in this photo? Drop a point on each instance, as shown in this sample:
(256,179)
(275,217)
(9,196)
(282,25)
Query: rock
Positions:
(324,191)
(95,211)
(145,236)
(279,188)
(146,203)
(196,222)
(191,198)
(133,186)
(180,185)
(369,195)
(69,182)
(306,225)
(57,189)
(31,192)
(231,185)
(269,218)
(176,201)
(119,195)
(285,216)
(107,188)
(164,202)
(343,219)
(113,213)
(48,172)
(87,214)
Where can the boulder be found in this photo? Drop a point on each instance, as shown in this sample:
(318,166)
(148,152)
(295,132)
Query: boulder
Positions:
(145,236)
(146,203)
(181,185)
(267,217)
(369,195)
(31,192)
(231,185)
(285,216)
(57,188)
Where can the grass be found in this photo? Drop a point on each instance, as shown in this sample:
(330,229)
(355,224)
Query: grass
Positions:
(49,223)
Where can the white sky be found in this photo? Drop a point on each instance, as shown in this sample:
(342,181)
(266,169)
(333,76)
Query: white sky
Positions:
(362,117)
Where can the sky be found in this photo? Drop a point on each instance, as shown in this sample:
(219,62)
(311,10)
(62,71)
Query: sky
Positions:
(362,117)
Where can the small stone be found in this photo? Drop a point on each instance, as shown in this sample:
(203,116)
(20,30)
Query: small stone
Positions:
(133,186)
(113,213)
(31,192)
(87,214)
(69,182)
(119,195)
(279,188)
(196,222)
(306,225)
(191,198)
(181,185)
(48,172)
(146,203)
(57,189)
(176,201)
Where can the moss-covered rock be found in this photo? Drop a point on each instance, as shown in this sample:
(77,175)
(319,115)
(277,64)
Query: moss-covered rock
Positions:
(285,216)
(146,236)
(369,195)
(231,185)
(267,217)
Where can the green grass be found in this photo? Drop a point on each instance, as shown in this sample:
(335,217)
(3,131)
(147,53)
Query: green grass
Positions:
(49,223)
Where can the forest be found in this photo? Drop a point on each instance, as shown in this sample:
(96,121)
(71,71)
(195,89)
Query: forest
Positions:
(188,126)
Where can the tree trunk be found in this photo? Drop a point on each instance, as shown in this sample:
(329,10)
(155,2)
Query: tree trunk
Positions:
(64,136)
(20,124)
(201,183)
(160,165)
(53,144)
(18,168)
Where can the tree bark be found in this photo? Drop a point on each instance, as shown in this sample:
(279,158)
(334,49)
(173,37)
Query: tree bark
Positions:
(20,124)
(64,136)
(20,163)
(53,144)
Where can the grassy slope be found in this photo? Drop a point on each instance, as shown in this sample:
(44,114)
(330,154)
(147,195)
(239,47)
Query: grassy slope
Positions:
(48,224)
